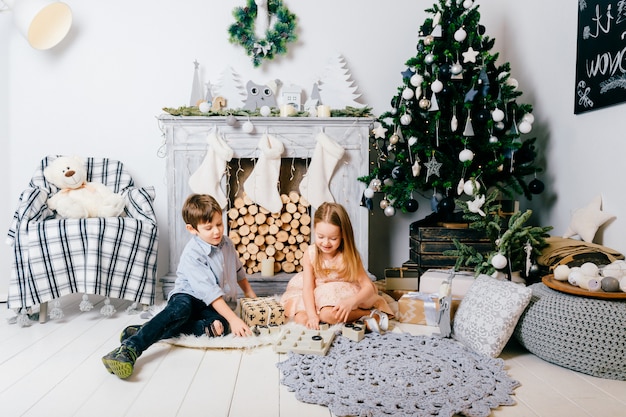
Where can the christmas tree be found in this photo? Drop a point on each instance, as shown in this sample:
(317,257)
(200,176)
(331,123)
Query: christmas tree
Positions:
(455,126)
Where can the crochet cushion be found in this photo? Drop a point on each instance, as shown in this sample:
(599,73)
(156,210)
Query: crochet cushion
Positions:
(488,314)
(583,334)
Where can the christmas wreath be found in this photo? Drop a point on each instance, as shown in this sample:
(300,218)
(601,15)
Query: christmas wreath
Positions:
(276,38)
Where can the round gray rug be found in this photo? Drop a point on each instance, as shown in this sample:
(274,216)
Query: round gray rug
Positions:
(399,375)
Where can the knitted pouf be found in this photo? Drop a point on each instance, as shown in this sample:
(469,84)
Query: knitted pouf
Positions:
(583,334)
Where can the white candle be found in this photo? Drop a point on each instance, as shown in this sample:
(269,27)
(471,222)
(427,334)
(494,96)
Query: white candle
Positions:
(267,267)
(323,111)
(287,110)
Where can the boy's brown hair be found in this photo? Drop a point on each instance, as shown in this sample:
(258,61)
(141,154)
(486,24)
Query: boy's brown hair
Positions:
(199,209)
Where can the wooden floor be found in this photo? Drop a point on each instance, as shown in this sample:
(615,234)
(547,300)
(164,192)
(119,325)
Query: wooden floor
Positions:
(54,369)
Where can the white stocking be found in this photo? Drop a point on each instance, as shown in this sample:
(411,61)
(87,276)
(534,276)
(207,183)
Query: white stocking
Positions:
(262,184)
(314,185)
(208,177)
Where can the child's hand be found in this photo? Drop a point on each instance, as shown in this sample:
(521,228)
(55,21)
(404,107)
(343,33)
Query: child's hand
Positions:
(239,328)
(342,310)
(313,322)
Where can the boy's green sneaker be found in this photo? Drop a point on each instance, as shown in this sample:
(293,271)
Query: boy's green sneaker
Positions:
(120,361)
(129,331)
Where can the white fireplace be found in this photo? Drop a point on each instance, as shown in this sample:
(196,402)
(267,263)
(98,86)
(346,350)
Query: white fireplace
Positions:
(186,145)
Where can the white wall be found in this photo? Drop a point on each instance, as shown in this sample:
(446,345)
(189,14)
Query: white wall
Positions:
(98,93)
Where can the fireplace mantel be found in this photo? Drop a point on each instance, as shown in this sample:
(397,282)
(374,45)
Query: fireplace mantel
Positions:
(186,145)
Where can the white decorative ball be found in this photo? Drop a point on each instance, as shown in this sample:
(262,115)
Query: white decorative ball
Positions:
(390,211)
(528,117)
(456,69)
(368,193)
(500,125)
(513,83)
(265,111)
(204,107)
(248,127)
(497,115)
(493,139)
(429,59)
(590,269)
(466,155)
(469,189)
(416,80)
(460,35)
(561,272)
(468,4)
(407,94)
(524,127)
(406,119)
(436,86)
(499,261)
(231,120)
(412,140)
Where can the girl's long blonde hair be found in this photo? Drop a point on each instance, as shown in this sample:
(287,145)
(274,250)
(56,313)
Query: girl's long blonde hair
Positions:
(335,214)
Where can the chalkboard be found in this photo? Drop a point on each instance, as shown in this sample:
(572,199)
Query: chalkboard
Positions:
(601,54)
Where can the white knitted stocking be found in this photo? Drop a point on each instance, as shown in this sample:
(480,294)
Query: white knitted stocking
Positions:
(314,185)
(262,184)
(207,178)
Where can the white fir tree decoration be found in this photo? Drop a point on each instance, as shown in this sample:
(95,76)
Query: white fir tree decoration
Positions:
(337,89)
(196,86)
(231,88)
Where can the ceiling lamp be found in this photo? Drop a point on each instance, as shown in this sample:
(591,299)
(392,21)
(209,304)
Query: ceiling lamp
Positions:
(44,23)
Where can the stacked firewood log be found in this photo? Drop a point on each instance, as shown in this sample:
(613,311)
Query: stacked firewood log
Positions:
(259,234)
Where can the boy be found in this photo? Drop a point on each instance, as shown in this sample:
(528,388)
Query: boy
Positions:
(206,279)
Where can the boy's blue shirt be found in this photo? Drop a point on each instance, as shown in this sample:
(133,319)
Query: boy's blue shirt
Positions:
(208,272)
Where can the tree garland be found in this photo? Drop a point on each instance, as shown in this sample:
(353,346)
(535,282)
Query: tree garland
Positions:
(276,38)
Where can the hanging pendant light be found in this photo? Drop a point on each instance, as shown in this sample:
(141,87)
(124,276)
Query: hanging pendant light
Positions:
(44,23)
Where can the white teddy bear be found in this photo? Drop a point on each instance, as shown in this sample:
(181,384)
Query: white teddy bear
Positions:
(78,198)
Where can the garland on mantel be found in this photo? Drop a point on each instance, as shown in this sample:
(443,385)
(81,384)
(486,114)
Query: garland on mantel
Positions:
(194,111)
(276,38)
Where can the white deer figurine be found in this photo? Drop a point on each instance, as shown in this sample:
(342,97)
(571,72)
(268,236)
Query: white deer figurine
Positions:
(262,19)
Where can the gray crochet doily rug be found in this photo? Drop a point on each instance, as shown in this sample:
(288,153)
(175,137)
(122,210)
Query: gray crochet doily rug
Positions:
(398,374)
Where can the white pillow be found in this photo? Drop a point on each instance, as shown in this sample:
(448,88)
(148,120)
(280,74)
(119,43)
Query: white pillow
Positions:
(489,313)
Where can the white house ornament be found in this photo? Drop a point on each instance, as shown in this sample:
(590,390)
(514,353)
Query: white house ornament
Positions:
(247,31)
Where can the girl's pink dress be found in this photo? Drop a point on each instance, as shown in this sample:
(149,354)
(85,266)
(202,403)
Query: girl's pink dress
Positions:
(330,288)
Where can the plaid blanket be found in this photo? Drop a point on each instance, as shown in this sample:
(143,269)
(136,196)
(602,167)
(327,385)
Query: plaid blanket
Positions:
(113,256)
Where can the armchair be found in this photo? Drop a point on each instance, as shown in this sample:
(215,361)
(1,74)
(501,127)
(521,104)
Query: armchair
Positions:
(112,257)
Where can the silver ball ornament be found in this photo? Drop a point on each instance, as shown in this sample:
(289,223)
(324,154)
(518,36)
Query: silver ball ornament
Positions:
(429,59)
(424,104)
(406,119)
(384,203)
(368,193)
(231,120)
(390,211)
(456,69)
(375,184)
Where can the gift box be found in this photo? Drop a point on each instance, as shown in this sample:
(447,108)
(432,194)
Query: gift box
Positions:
(431,280)
(262,311)
(422,308)
(401,279)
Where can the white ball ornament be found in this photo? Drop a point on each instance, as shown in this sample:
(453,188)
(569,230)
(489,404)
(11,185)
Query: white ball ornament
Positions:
(248,127)
(524,127)
(204,107)
(406,119)
(561,272)
(390,211)
(416,80)
(528,117)
(412,140)
(513,83)
(429,59)
(589,269)
(456,69)
(468,4)
(436,86)
(497,115)
(466,155)
(499,261)
(493,140)
(469,189)
(460,35)
(407,94)
(265,111)
(368,193)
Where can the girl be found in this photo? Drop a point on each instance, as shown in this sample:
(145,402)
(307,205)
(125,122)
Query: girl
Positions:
(333,286)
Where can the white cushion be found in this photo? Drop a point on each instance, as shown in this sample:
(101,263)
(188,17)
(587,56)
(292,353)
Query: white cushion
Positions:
(489,313)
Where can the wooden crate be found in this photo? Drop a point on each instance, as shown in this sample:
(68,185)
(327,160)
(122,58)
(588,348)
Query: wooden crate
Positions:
(427,245)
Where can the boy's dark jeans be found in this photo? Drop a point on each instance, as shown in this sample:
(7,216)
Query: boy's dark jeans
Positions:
(183,314)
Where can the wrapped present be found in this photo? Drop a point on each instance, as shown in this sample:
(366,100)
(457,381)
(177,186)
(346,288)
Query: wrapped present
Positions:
(422,308)
(402,279)
(262,311)
(431,280)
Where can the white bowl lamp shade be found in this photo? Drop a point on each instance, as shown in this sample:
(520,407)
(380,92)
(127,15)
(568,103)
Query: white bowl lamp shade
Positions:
(44,23)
